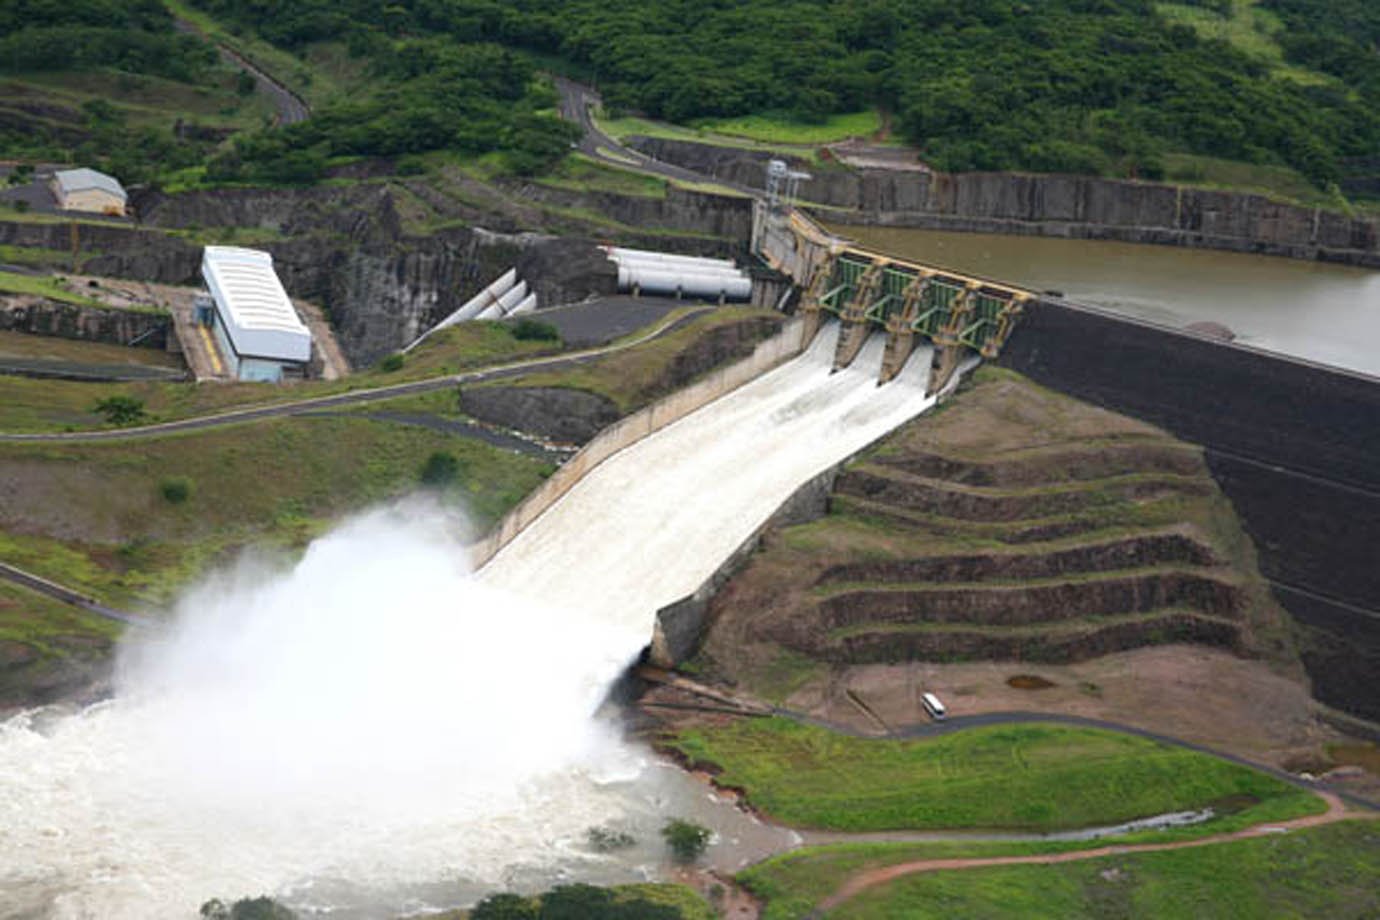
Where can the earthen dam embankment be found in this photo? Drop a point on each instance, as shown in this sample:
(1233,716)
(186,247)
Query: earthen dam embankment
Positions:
(1293,445)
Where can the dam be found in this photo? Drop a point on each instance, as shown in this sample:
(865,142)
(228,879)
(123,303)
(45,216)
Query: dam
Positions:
(349,732)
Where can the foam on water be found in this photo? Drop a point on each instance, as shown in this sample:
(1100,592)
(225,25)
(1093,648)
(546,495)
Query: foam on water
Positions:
(375,720)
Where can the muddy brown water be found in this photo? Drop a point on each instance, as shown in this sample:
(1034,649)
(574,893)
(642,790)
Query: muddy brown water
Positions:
(1320,312)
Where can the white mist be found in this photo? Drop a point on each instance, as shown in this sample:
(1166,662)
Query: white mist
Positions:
(376,730)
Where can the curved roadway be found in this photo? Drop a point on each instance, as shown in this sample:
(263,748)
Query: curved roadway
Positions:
(355,397)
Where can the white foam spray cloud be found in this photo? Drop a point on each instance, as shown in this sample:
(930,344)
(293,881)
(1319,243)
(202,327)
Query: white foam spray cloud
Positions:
(374,723)
(372,713)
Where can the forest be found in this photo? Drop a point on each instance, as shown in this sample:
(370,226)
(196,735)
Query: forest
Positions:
(1084,86)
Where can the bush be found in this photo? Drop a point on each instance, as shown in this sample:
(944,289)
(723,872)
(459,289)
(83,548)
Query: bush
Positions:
(686,839)
(505,907)
(440,469)
(606,840)
(175,489)
(531,330)
(260,908)
(393,362)
(120,410)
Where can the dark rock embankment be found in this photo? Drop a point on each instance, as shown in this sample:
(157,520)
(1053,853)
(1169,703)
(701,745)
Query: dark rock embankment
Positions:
(557,414)
(1084,207)
(1030,604)
(1050,647)
(1017,524)
(39,315)
(932,496)
(1293,445)
(1126,553)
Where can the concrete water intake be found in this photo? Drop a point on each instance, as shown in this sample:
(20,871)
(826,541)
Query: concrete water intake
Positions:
(373,730)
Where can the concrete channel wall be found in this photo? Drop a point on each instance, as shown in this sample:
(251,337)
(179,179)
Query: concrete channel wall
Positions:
(774,351)
(1295,447)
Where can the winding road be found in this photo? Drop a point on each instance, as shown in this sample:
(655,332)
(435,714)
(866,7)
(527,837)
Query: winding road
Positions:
(355,397)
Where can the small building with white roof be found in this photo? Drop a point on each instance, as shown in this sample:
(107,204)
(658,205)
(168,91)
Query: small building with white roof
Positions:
(88,190)
(255,324)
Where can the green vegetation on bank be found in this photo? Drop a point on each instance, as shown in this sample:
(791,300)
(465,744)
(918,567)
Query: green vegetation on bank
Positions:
(97,517)
(649,901)
(42,286)
(1320,872)
(1029,777)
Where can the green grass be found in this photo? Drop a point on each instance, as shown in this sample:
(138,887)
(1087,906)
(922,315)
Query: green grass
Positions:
(1250,29)
(578,172)
(39,258)
(92,516)
(634,378)
(47,347)
(1277,182)
(39,637)
(770,130)
(42,286)
(1025,777)
(1320,872)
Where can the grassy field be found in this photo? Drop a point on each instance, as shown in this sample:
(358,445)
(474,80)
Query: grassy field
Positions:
(1026,777)
(1249,28)
(1320,872)
(768,130)
(636,377)
(42,642)
(95,516)
(42,286)
(57,405)
(25,345)
(580,173)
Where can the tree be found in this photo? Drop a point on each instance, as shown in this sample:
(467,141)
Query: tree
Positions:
(120,410)
(505,906)
(686,839)
(175,489)
(440,469)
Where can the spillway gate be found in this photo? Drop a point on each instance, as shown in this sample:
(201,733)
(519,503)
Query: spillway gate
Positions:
(868,290)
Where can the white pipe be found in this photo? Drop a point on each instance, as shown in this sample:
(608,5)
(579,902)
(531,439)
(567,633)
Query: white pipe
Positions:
(472,307)
(652,281)
(529,303)
(511,299)
(664,258)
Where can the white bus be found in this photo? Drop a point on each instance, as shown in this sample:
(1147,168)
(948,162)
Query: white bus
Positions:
(933,706)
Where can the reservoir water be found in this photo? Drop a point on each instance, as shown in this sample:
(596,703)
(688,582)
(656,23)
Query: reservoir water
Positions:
(1324,313)
(371,730)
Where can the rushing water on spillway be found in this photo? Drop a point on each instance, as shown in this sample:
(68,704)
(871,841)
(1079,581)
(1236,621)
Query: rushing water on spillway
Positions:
(374,730)
(1312,310)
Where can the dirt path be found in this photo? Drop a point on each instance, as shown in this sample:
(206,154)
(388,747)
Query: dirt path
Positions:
(1336,811)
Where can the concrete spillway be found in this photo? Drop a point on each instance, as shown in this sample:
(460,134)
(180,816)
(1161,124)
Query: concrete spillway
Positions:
(650,524)
(372,731)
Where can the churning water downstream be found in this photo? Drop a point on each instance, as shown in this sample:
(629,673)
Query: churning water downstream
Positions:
(374,730)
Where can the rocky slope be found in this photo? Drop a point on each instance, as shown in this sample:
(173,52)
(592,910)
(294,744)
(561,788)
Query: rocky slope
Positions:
(1013,524)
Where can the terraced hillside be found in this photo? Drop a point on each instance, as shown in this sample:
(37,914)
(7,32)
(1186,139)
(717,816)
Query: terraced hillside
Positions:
(1013,524)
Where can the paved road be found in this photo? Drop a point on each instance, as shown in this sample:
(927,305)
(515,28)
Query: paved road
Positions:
(291,107)
(356,397)
(577,100)
(67,595)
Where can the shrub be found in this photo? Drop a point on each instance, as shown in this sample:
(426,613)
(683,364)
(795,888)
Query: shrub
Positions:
(175,489)
(686,839)
(393,362)
(606,840)
(504,907)
(120,410)
(440,469)
(535,330)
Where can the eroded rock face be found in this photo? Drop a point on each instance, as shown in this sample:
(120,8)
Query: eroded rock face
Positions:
(557,414)
(26,313)
(1053,205)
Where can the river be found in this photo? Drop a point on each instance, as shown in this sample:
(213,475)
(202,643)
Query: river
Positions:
(1324,313)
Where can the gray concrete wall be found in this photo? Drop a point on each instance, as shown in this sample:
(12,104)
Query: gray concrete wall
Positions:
(39,315)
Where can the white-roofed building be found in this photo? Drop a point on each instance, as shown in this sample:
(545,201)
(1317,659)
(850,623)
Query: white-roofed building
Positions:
(255,324)
(88,190)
